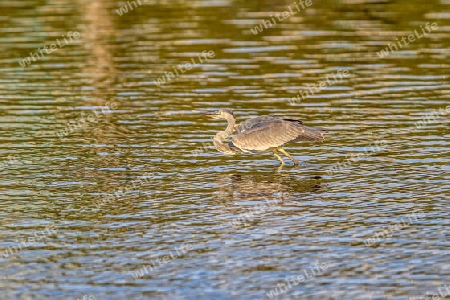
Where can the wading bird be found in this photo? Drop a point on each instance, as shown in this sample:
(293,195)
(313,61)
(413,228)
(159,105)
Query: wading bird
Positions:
(261,134)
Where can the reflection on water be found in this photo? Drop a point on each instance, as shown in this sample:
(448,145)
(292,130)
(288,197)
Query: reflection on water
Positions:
(142,178)
(254,187)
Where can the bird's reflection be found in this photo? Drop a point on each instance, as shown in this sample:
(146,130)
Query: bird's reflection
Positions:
(232,188)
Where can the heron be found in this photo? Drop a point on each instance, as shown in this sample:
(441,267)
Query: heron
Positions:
(262,134)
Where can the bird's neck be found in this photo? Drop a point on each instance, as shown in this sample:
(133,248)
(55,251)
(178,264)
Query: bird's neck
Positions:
(229,130)
(221,136)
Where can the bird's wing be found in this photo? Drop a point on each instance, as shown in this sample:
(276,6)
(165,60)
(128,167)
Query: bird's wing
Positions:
(274,134)
(265,136)
(254,122)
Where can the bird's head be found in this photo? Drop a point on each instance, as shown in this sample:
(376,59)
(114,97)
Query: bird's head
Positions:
(224,113)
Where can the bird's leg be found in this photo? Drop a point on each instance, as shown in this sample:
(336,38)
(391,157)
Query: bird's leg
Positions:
(288,155)
(279,158)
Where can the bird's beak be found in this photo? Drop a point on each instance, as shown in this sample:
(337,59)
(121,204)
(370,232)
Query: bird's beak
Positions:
(214,115)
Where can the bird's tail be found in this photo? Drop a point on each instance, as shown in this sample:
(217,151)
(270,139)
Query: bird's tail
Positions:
(312,134)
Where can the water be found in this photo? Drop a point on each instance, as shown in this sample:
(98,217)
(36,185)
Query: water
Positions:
(137,204)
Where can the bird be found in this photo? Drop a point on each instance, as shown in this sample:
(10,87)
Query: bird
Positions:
(262,134)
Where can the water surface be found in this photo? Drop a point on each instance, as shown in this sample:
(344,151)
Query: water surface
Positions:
(140,185)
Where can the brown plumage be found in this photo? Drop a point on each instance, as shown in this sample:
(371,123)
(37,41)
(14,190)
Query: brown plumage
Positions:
(265,133)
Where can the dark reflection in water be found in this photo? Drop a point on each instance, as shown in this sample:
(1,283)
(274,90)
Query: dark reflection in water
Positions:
(237,187)
(142,178)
